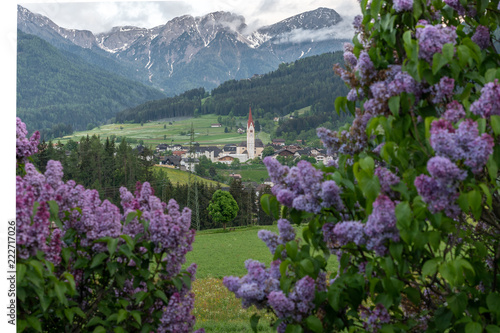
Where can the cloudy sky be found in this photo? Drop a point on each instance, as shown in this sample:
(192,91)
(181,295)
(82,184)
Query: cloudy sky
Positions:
(102,16)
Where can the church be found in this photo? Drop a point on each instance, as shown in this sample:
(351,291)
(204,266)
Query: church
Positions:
(252,147)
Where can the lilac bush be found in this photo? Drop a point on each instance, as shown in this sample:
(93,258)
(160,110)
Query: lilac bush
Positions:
(99,259)
(410,208)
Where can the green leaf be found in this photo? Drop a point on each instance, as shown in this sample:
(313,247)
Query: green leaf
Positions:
(119,330)
(457,304)
(54,213)
(404,215)
(493,302)
(122,315)
(340,103)
(98,259)
(413,295)
(130,217)
(69,313)
(270,205)
(314,324)
(486,190)
(59,289)
(307,265)
(438,61)
(430,267)
(34,323)
(294,329)
(38,266)
(160,294)
(495,124)
(112,244)
(137,316)
(394,105)
(20,271)
(473,328)
(99,329)
(254,321)
(448,51)
(492,329)
(474,199)
(375,7)
(291,249)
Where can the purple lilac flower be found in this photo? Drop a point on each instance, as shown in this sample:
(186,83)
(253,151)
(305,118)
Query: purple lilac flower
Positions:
(282,306)
(25,147)
(454,112)
(386,179)
(301,187)
(461,144)
(456,5)
(177,316)
(286,230)
(375,318)
(254,287)
(403,5)
(349,232)
(481,37)
(348,47)
(357,23)
(440,191)
(443,169)
(488,103)
(381,225)
(270,238)
(365,68)
(355,95)
(431,39)
(442,90)
(350,59)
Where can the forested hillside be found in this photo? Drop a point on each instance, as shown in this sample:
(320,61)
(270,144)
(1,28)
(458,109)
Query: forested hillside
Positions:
(58,91)
(306,82)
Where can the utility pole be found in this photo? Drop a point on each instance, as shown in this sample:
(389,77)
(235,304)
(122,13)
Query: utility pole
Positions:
(192,197)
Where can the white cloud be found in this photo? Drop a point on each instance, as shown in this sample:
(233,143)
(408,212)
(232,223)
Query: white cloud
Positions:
(102,16)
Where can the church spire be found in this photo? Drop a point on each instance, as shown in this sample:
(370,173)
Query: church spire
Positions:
(250,120)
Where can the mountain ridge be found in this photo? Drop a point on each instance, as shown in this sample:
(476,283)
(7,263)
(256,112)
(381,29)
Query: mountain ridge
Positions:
(188,52)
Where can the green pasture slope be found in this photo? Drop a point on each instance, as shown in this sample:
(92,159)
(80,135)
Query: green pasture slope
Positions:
(153,132)
(182,177)
(220,254)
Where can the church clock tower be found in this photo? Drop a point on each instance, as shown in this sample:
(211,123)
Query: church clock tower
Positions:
(250,136)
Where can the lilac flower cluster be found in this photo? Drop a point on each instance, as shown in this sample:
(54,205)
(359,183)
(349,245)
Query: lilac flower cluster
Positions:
(454,112)
(177,315)
(298,304)
(380,227)
(272,240)
(365,68)
(461,10)
(482,37)
(462,144)
(386,179)
(254,287)
(488,103)
(431,39)
(403,5)
(25,147)
(440,191)
(301,187)
(374,318)
(442,90)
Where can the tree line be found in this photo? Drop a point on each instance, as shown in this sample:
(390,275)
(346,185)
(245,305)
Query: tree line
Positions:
(105,165)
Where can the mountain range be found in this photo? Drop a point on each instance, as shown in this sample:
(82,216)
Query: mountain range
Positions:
(190,52)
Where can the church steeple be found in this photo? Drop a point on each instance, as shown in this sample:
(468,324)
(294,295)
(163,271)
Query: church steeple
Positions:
(250,120)
(250,136)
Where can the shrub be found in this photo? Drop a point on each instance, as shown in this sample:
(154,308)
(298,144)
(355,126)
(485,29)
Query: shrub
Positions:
(410,207)
(84,265)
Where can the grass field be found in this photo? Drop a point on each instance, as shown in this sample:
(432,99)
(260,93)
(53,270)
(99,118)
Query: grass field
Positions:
(153,132)
(219,254)
(255,175)
(182,177)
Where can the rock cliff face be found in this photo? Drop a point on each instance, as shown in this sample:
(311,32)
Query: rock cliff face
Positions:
(189,52)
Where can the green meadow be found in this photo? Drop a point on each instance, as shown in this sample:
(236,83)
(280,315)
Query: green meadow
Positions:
(175,131)
(220,254)
(182,177)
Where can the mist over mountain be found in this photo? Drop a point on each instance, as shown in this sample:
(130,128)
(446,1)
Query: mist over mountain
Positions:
(189,52)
